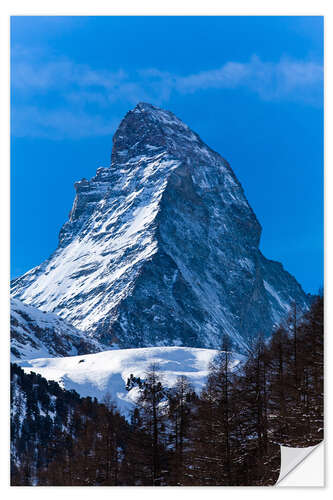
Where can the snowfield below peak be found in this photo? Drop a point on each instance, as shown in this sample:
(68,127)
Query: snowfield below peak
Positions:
(106,373)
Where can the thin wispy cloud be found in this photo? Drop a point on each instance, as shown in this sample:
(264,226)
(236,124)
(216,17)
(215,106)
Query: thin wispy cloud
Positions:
(77,88)
(62,123)
(286,79)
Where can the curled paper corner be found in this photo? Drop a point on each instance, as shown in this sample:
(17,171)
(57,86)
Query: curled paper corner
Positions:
(297,463)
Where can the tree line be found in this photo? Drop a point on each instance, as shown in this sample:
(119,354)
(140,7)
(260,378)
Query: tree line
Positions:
(230,434)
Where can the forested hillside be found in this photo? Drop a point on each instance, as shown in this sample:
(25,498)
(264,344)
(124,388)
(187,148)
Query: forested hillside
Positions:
(228,435)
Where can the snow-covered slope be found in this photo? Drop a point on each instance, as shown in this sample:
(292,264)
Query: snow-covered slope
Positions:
(161,248)
(36,334)
(107,372)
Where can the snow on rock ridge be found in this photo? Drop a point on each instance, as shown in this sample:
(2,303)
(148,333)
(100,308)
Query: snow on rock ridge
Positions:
(36,334)
(161,248)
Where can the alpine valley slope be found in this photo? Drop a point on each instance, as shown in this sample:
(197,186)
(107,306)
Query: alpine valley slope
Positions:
(36,334)
(162,248)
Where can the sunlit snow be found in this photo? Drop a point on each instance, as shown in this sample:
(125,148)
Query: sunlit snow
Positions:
(107,372)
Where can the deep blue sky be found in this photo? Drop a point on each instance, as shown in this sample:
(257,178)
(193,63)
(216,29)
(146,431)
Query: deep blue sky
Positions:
(250,86)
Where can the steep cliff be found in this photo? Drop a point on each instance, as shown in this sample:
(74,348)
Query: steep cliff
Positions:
(162,248)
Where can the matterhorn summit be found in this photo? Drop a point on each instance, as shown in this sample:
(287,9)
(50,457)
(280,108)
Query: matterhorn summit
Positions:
(162,248)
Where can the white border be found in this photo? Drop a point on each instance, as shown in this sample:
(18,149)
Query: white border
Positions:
(142,7)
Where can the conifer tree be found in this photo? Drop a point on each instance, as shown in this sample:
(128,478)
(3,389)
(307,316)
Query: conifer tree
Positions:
(180,408)
(153,416)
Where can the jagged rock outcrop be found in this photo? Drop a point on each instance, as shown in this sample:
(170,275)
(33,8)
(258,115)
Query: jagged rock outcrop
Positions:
(162,248)
(37,334)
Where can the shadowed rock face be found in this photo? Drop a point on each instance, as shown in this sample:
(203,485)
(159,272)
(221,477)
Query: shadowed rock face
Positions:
(161,248)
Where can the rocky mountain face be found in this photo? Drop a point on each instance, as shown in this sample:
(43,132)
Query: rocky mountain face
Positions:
(162,248)
(37,334)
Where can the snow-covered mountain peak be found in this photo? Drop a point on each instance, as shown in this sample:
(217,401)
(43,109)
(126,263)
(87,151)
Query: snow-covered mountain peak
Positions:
(164,118)
(148,128)
(147,114)
(161,248)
